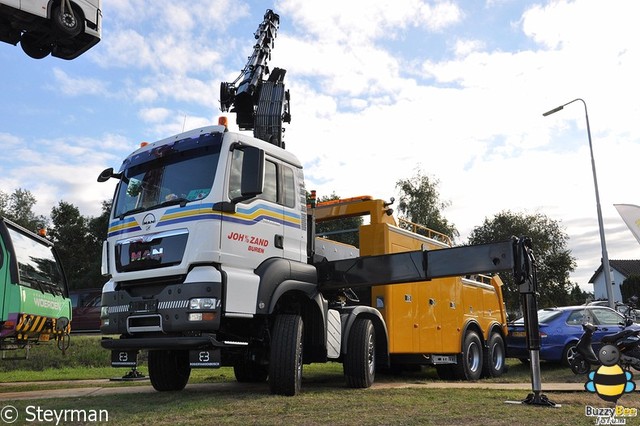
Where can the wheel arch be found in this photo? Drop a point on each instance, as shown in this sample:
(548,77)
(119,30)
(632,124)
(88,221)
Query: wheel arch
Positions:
(288,287)
(472,325)
(280,276)
(495,327)
(55,3)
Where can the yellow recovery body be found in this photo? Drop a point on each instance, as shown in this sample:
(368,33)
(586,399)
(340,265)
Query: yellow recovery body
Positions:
(428,322)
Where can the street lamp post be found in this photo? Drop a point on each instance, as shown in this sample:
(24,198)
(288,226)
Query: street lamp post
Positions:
(605,257)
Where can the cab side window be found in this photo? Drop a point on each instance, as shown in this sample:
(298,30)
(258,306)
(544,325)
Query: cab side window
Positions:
(288,187)
(270,192)
(279,181)
(235,174)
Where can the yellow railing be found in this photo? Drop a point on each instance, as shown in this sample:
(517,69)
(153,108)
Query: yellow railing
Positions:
(424,231)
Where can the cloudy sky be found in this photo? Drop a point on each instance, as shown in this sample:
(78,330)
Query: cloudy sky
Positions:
(379,88)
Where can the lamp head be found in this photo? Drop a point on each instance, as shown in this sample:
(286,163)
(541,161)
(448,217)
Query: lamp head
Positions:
(551,111)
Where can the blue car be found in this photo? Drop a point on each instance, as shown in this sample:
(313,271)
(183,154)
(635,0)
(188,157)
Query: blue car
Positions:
(560,330)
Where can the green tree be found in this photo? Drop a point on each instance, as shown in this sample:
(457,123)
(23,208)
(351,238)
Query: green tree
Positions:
(630,287)
(420,203)
(78,240)
(18,207)
(577,296)
(549,242)
(69,234)
(97,228)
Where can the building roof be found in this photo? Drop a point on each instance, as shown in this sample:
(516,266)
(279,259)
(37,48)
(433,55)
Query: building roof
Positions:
(625,267)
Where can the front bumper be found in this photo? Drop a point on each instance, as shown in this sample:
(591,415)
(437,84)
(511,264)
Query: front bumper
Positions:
(165,310)
(205,341)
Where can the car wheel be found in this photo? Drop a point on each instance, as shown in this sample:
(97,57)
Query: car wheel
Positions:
(568,354)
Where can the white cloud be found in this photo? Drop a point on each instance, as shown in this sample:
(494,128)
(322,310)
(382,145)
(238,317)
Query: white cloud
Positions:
(464,47)
(360,21)
(78,86)
(154,115)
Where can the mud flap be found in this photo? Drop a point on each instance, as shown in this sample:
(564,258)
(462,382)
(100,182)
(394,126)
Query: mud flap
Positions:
(209,358)
(124,358)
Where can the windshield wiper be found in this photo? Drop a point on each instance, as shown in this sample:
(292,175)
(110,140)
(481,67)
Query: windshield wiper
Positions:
(132,211)
(180,200)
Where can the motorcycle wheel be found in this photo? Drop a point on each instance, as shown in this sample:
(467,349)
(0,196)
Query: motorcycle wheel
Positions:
(579,365)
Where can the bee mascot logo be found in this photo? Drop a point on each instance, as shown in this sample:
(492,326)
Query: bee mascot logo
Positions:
(610,381)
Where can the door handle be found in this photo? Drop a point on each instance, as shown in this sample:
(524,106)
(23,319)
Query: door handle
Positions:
(278,241)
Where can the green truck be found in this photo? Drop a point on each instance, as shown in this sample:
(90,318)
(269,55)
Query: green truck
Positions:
(35,305)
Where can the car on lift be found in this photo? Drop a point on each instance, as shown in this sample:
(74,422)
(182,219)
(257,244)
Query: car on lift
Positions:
(62,28)
(560,330)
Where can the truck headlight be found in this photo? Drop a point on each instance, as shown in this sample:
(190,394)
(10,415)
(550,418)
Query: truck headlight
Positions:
(104,312)
(203,303)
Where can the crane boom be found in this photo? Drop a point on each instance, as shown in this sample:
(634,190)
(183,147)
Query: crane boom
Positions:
(260,105)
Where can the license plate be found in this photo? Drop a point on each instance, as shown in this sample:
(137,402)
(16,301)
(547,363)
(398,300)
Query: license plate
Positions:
(518,334)
(143,306)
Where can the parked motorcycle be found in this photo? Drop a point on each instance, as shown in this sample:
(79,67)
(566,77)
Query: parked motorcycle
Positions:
(625,344)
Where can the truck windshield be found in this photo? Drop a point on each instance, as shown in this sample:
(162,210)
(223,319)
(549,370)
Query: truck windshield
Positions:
(37,265)
(171,174)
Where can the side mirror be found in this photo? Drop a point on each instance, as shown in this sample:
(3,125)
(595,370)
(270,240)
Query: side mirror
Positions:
(105,175)
(108,174)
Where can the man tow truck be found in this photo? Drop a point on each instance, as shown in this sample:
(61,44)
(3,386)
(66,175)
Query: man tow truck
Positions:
(211,255)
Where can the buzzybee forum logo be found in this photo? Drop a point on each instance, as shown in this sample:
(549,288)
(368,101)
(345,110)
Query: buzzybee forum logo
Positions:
(610,381)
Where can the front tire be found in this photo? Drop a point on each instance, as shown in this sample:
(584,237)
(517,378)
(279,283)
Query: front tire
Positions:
(248,371)
(285,364)
(360,361)
(69,22)
(169,370)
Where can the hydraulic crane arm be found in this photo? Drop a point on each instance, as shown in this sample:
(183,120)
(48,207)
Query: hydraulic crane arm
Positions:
(260,105)
(418,265)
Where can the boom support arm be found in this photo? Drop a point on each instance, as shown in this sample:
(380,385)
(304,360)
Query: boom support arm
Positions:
(417,265)
(515,255)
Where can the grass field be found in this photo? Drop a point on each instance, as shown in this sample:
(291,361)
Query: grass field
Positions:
(324,400)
